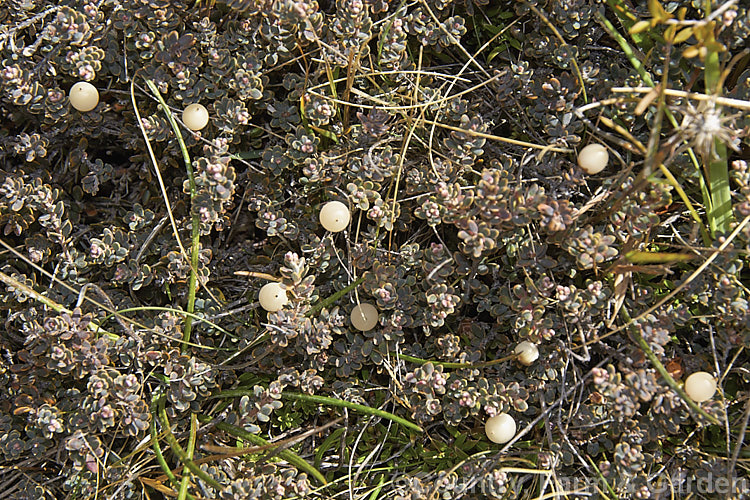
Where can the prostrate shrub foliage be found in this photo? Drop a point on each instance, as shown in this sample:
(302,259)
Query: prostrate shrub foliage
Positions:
(137,363)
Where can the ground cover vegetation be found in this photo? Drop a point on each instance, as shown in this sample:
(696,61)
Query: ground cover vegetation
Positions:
(136,361)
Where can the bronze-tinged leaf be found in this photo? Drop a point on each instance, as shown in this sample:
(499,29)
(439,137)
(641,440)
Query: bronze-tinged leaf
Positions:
(596,398)
(186,40)
(22,410)
(674,367)
(158,486)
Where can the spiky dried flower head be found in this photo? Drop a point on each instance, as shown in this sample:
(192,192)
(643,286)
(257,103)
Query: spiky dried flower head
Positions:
(703,125)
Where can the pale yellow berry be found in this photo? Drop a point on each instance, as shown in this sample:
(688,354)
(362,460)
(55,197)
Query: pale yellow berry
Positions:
(272,297)
(195,117)
(500,428)
(364,317)
(84,96)
(593,158)
(335,216)
(700,386)
(527,352)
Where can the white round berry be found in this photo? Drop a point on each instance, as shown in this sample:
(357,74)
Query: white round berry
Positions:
(272,297)
(700,386)
(593,158)
(364,317)
(84,96)
(500,428)
(527,352)
(335,216)
(195,116)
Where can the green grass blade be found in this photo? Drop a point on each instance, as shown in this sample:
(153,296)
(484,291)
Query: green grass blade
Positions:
(325,400)
(287,455)
(190,453)
(195,222)
(157,450)
(334,297)
(13,283)
(684,197)
(628,19)
(179,451)
(720,215)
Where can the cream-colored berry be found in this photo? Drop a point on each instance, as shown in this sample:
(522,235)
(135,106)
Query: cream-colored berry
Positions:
(195,116)
(83,96)
(500,428)
(527,352)
(364,317)
(593,158)
(272,297)
(700,386)
(335,216)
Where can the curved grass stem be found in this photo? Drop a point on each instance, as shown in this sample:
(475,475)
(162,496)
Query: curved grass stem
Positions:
(157,449)
(334,297)
(175,311)
(287,455)
(195,218)
(190,452)
(179,451)
(325,400)
(684,197)
(447,364)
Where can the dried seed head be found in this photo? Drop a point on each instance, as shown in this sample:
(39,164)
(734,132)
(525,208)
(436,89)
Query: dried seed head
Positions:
(701,126)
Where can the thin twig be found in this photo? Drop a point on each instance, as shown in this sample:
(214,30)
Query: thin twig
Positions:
(722,101)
